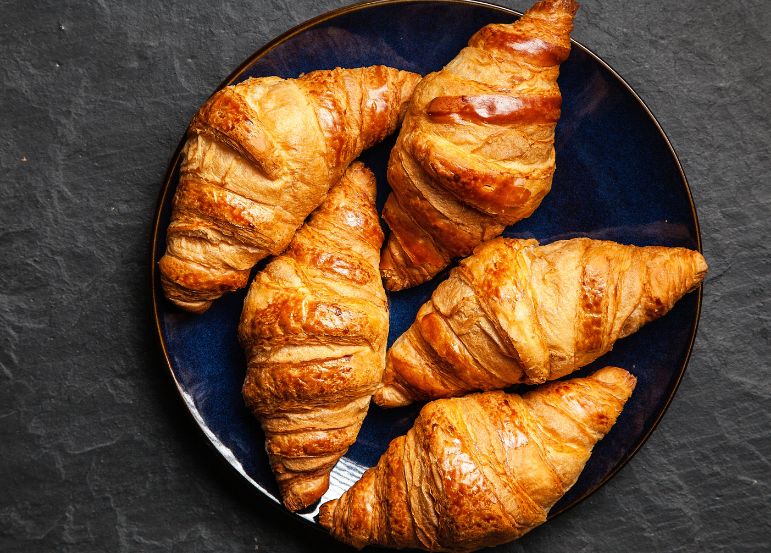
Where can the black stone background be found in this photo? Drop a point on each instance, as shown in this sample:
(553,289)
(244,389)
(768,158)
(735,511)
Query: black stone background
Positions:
(96,451)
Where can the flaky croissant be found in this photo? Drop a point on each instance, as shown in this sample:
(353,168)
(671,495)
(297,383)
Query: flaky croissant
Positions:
(260,156)
(476,150)
(480,470)
(314,328)
(516,312)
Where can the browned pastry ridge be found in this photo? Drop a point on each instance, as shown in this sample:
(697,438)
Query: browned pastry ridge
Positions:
(476,150)
(480,470)
(314,328)
(260,156)
(516,312)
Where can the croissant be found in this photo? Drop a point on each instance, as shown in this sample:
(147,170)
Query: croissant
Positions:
(260,156)
(314,328)
(516,312)
(480,470)
(476,150)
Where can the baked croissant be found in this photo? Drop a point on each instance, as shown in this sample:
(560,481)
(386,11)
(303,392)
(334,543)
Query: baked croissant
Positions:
(516,312)
(314,328)
(260,156)
(476,150)
(480,470)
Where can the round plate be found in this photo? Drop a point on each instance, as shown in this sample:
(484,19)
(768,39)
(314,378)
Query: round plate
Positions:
(617,178)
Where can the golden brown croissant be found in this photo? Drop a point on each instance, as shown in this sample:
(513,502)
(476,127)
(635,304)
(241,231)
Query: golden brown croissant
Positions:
(260,156)
(476,151)
(314,328)
(480,470)
(516,312)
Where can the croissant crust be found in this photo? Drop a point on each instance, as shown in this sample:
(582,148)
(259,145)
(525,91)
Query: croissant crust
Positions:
(476,151)
(519,313)
(479,470)
(260,156)
(314,328)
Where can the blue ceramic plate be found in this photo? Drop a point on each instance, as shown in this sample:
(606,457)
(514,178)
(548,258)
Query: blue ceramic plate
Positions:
(617,178)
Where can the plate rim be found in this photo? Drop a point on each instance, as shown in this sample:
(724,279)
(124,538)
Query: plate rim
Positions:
(174,163)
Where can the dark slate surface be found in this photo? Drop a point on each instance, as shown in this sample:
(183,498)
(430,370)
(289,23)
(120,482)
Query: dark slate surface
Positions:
(98,454)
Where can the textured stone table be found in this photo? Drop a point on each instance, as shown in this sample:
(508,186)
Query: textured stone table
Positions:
(96,451)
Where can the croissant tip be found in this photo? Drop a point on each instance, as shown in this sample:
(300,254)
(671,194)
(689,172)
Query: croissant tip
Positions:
(360,177)
(297,502)
(569,6)
(300,493)
(391,279)
(701,265)
(326,514)
(616,376)
(392,282)
(193,287)
(388,396)
(195,307)
(377,397)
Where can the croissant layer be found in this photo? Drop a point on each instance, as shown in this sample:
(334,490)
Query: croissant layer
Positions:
(519,313)
(314,329)
(476,151)
(260,156)
(480,470)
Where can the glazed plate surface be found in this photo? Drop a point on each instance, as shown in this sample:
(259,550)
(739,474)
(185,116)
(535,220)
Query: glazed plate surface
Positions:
(617,178)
